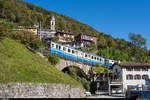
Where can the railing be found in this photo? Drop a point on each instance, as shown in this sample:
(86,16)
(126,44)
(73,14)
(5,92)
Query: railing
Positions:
(116,81)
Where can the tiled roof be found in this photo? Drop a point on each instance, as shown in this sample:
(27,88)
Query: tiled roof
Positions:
(133,64)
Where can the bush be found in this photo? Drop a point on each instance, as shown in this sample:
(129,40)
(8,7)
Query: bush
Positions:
(2,31)
(85,83)
(78,75)
(53,59)
(26,38)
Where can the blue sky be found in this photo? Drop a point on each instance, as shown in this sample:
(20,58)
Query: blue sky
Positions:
(114,17)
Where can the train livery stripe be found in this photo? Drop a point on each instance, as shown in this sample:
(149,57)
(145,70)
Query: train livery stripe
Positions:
(75,57)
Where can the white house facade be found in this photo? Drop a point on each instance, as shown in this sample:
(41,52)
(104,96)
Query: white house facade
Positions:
(130,74)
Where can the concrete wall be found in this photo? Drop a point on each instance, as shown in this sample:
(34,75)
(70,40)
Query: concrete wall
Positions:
(39,90)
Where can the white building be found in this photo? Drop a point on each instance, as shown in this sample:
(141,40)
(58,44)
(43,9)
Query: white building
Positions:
(64,36)
(47,33)
(126,75)
(52,24)
(76,45)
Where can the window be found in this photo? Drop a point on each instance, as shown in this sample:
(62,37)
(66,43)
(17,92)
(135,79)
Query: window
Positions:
(129,77)
(100,59)
(83,36)
(52,45)
(59,47)
(86,55)
(56,46)
(64,48)
(95,58)
(137,77)
(116,70)
(69,50)
(145,77)
(145,69)
(92,57)
(73,51)
(137,69)
(129,69)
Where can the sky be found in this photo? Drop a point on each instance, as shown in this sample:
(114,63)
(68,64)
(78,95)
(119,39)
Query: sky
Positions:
(113,17)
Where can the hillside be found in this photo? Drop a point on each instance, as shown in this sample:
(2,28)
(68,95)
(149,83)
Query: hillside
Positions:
(17,64)
(23,13)
(28,14)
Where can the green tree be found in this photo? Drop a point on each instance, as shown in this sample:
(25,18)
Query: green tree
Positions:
(2,31)
(102,43)
(138,51)
(99,69)
(80,76)
(53,59)
(137,40)
(114,54)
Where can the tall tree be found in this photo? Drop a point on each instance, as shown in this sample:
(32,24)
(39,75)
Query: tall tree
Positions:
(137,40)
(138,51)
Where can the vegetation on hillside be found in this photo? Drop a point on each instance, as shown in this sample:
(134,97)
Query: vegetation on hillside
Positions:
(27,14)
(53,58)
(78,75)
(17,64)
(100,69)
(24,37)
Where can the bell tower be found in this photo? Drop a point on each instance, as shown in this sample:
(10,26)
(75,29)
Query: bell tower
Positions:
(52,23)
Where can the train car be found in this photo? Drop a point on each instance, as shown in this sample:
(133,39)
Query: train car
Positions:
(74,54)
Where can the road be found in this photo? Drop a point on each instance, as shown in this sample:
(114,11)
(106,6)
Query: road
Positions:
(106,96)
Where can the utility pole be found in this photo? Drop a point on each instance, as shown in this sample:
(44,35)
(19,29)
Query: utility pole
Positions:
(107,65)
(40,31)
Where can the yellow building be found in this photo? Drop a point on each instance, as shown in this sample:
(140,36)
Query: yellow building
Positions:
(33,30)
(29,29)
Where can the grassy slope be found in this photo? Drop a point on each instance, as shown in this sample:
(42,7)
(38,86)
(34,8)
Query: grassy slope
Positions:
(17,64)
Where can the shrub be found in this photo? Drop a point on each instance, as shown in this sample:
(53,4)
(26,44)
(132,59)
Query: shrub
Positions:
(53,59)
(2,31)
(85,84)
(26,38)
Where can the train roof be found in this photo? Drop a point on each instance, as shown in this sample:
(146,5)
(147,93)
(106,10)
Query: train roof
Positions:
(76,49)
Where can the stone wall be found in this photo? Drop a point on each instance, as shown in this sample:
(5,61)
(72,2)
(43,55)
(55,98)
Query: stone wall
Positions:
(40,90)
(66,63)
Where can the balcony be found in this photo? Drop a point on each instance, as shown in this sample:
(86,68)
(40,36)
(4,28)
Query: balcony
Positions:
(116,81)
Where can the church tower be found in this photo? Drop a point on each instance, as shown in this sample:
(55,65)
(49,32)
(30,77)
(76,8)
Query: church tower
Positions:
(53,23)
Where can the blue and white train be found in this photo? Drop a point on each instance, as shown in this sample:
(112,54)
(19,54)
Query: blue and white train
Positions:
(74,54)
